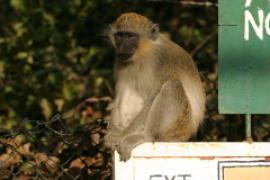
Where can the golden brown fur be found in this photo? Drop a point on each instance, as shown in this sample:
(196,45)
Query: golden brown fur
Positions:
(132,21)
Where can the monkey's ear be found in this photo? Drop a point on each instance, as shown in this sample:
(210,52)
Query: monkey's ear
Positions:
(111,28)
(154,31)
(107,31)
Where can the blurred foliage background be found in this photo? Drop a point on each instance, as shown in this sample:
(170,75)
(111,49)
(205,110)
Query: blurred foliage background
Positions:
(54,56)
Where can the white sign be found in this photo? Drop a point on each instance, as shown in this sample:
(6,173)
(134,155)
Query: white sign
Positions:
(196,161)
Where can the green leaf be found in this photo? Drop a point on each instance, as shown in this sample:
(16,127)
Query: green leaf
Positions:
(2,70)
(19,28)
(67,92)
(17,4)
(22,55)
(46,108)
(49,18)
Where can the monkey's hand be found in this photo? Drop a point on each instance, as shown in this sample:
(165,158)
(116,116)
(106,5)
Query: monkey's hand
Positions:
(128,143)
(124,149)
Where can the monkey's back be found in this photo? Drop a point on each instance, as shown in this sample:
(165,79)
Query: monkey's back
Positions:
(180,65)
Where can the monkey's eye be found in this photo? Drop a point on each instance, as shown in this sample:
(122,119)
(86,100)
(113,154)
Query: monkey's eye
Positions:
(119,34)
(131,35)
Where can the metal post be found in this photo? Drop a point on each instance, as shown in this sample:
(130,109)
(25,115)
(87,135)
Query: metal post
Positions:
(248,128)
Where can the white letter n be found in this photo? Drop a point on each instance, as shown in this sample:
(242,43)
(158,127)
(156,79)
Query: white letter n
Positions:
(250,20)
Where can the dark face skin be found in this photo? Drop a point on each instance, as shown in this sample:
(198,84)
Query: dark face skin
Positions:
(126,44)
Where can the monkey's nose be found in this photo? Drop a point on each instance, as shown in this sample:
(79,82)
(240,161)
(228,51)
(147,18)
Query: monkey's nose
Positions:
(122,49)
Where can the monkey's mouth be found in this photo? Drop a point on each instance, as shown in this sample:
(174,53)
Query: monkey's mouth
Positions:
(124,56)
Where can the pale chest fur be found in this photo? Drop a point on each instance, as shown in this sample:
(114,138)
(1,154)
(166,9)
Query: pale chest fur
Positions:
(132,91)
(127,106)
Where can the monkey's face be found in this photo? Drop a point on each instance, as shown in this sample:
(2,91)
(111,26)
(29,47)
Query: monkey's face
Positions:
(126,43)
(129,31)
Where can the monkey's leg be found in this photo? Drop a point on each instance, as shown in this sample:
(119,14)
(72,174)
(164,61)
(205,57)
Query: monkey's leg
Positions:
(112,137)
(170,116)
(113,132)
(168,119)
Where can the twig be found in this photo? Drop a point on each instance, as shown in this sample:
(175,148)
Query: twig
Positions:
(109,87)
(193,3)
(203,43)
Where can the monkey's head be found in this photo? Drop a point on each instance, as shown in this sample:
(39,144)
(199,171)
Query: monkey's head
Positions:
(129,31)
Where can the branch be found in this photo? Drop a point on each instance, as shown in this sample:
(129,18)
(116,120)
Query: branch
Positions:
(203,43)
(193,3)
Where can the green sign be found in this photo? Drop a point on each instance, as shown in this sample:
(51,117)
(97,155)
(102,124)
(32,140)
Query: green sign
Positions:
(244,56)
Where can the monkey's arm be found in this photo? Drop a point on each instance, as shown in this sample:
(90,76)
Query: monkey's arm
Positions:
(115,134)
